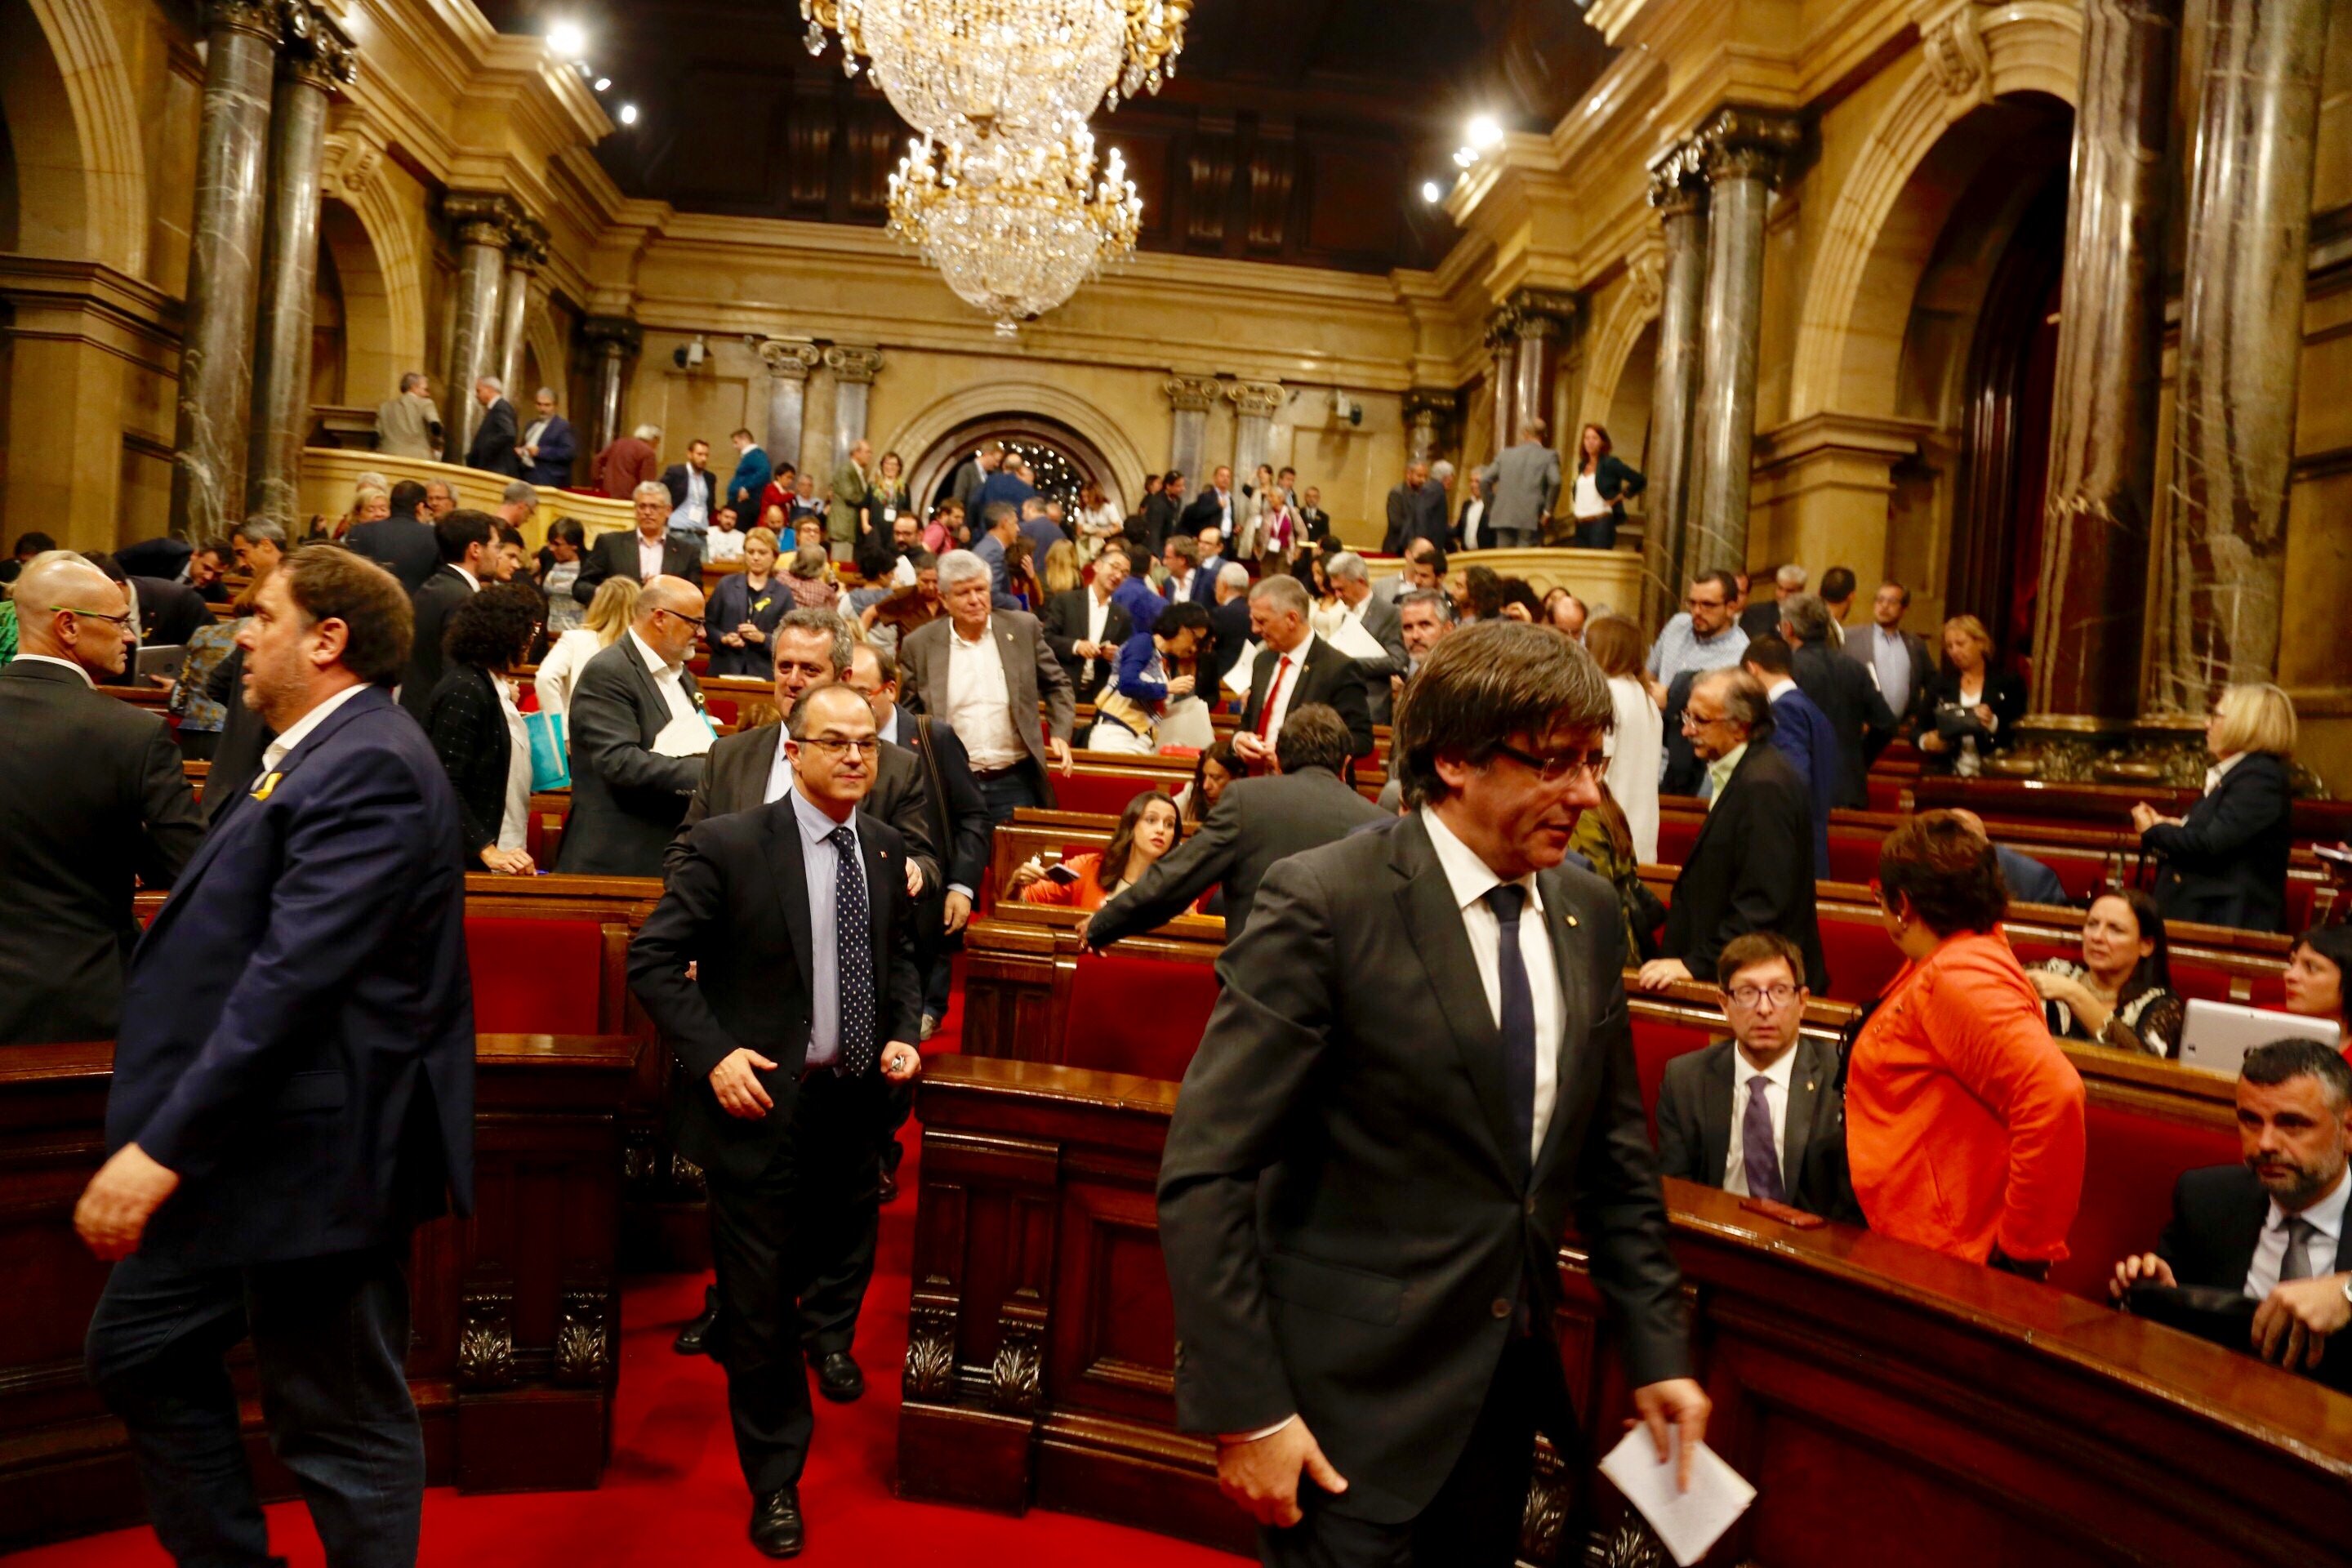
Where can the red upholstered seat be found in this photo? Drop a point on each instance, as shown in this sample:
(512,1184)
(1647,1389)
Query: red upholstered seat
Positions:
(1140,1016)
(1676,833)
(1861,958)
(536,976)
(2132,1160)
(1105,795)
(1853,855)
(1886,791)
(722,710)
(1657,1042)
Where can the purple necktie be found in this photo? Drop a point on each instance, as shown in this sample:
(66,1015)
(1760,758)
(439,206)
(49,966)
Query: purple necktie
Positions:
(1757,1153)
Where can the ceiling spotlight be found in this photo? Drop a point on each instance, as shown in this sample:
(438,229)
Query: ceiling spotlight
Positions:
(603,82)
(1431,192)
(628,114)
(567,40)
(1485,131)
(1463,157)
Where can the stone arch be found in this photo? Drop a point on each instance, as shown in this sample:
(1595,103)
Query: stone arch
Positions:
(1967,61)
(379,241)
(543,346)
(1122,468)
(103,154)
(1631,310)
(370,368)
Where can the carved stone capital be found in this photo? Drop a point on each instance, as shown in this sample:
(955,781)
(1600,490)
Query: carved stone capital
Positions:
(1953,41)
(1502,327)
(258,17)
(1678,180)
(853,364)
(790,359)
(616,335)
(353,156)
(478,218)
(1249,397)
(313,49)
(1428,405)
(1743,144)
(1191,392)
(1541,312)
(1645,279)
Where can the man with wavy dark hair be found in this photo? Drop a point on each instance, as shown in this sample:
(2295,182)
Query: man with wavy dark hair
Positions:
(1420,1068)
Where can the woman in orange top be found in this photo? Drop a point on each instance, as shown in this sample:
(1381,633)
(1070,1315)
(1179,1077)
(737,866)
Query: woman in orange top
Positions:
(1964,1120)
(1146,830)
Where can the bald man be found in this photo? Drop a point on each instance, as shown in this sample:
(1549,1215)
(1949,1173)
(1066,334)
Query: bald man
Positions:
(92,803)
(638,736)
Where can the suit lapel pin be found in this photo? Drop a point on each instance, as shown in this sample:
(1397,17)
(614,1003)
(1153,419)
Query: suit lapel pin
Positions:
(1571,922)
(261,791)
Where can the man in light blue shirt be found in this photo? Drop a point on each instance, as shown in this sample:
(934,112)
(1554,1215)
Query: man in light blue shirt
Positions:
(1706,636)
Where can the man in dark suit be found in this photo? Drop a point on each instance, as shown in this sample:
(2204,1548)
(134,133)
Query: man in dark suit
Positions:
(1899,661)
(1214,507)
(1314,522)
(651,551)
(1162,511)
(1256,821)
(1294,667)
(1760,1115)
(546,442)
(493,448)
(1419,1069)
(163,614)
(694,498)
(1751,867)
(1757,615)
(403,543)
(1229,625)
(636,755)
(465,540)
(1800,731)
(92,802)
(984,670)
(1086,630)
(1843,691)
(2272,1227)
(801,1014)
(1403,509)
(293,1092)
(1351,581)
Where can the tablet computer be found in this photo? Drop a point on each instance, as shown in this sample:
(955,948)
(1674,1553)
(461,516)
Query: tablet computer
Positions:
(2216,1036)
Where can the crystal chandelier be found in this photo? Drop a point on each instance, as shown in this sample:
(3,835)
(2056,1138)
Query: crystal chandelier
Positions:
(1023,72)
(1014,232)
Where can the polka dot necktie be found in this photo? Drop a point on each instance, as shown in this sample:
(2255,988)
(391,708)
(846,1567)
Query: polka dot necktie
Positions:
(854,945)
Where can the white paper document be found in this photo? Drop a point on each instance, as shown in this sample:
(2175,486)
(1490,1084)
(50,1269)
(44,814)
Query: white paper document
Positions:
(1350,639)
(1687,1524)
(1237,679)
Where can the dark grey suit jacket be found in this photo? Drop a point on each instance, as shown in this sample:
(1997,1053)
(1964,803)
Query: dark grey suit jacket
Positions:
(1694,1112)
(1031,670)
(1905,702)
(626,802)
(92,797)
(1385,622)
(443,592)
(615,555)
(1256,823)
(735,778)
(1350,1218)
(1323,675)
(1845,693)
(1064,623)
(402,545)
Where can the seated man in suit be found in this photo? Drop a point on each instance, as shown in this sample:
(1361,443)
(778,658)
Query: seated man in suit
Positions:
(1295,668)
(1085,627)
(653,550)
(782,1088)
(464,540)
(638,737)
(1751,867)
(2273,1227)
(2029,882)
(293,1093)
(1760,1115)
(1255,822)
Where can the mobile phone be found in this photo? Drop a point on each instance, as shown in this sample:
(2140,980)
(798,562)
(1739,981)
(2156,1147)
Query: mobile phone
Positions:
(1060,873)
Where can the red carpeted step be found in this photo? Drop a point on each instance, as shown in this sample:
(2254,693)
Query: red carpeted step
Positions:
(673,1494)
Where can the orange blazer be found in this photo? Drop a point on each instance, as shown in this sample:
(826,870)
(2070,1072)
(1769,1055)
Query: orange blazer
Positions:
(1086,893)
(1964,1120)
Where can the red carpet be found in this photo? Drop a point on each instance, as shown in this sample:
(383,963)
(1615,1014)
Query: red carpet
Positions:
(673,1494)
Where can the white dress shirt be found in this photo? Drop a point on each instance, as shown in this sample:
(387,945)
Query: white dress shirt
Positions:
(514,823)
(1775,1080)
(2326,1218)
(688,734)
(1097,617)
(1589,503)
(649,556)
(1470,879)
(300,731)
(1278,701)
(1890,662)
(980,700)
(2220,770)
(693,513)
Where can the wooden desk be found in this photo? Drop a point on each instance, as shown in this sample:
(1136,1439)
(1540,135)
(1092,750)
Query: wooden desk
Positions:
(515,1310)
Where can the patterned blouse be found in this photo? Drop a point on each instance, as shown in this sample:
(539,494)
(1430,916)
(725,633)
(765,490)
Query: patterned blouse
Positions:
(207,646)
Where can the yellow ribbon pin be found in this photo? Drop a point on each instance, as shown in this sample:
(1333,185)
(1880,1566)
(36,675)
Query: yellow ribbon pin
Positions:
(261,791)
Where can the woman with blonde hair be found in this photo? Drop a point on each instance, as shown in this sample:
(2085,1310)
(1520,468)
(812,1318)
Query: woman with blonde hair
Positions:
(1973,708)
(2224,864)
(1062,569)
(744,610)
(609,615)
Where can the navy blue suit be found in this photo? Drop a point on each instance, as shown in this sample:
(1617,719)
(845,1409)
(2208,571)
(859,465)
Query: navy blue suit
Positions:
(297,1044)
(1806,737)
(552,466)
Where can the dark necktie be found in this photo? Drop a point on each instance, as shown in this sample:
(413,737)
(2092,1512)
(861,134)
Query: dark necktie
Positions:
(2297,1263)
(1756,1154)
(1507,901)
(854,946)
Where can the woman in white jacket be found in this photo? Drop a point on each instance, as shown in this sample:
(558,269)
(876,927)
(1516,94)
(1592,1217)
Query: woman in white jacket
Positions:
(609,615)
(1637,742)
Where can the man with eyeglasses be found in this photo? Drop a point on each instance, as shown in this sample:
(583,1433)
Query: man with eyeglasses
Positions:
(1706,636)
(95,799)
(780,970)
(1760,1115)
(639,734)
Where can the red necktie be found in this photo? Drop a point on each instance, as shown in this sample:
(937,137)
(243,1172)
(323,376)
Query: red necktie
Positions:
(1274,690)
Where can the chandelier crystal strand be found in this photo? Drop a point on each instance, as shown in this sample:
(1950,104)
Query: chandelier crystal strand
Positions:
(1022,72)
(1014,231)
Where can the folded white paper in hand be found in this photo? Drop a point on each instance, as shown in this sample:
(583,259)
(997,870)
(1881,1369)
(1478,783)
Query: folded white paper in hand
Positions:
(1350,639)
(1687,1524)
(1237,678)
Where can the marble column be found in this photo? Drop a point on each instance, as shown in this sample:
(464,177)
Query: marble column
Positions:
(483,224)
(1254,404)
(2240,340)
(2092,605)
(789,361)
(853,370)
(1428,423)
(1544,319)
(526,253)
(1741,150)
(1502,346)
(1678,190)
(613,342)
(215,391)
(1189,431)
(316,56)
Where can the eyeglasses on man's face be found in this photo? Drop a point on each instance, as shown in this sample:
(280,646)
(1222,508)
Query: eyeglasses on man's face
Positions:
(122,621)
(694,621)
(866,747)
(1762,995)
(1559,767)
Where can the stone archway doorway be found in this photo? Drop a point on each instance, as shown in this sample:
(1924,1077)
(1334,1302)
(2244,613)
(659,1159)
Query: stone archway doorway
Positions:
(1066,461)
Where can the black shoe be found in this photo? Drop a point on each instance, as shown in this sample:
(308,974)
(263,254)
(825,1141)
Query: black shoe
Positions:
(776,1523)
(889,1191)
(838,1377)
(694,1338)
